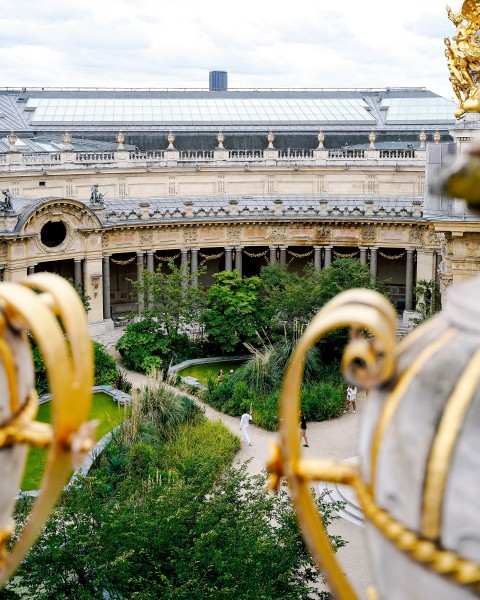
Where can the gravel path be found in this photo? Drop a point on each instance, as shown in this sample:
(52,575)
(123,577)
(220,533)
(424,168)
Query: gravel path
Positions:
(337,440)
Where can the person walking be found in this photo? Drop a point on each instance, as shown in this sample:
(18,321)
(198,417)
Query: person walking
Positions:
(244,423)
(303,429)
(351,398)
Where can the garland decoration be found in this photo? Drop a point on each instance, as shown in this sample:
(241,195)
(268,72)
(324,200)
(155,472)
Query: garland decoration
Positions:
(256,255)
(167,258)
(304,255)
(342,255)
(123,262)
(392,256)
(212,256)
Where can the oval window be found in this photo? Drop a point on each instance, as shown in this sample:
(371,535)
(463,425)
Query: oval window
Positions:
(53,234)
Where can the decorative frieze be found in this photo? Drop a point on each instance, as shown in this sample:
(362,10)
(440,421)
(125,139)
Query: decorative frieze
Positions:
(278,234)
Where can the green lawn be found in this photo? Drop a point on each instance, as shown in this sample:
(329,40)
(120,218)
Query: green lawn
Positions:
(202,371)
(104,408)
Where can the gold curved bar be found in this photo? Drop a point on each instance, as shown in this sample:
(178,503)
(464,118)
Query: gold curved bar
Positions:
(361,310)
(443,447)
(69,367)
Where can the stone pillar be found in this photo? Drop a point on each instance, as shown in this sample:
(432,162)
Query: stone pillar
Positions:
(184,265)
(107,309)
(373,264)
(141,299)
(409,281)
(93,277)
(238,259)
(283,256)
(150,269)
(228,258)
(194,266)
(328,256)
(317,258)
(273,255)
(151,261)
(426,265)
(77,273)
(31,270)
(363,255)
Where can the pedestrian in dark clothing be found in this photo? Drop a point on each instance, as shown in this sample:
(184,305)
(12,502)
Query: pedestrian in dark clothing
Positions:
(303,429)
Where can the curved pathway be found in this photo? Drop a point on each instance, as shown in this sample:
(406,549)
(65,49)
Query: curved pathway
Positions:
(336,440)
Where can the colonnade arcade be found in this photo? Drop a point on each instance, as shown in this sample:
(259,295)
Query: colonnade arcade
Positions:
(400,267)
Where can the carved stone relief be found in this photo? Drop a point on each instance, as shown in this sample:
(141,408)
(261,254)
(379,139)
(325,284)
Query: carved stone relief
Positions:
(368,233)
(234,234)
(190,236)
(324,234)
(145,237)
(415,236)
(279,234)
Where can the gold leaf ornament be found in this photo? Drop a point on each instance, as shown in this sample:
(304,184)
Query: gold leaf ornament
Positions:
(46,306)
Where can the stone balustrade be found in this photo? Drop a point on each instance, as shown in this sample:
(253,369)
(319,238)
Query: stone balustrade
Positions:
(295,158)
(262,207)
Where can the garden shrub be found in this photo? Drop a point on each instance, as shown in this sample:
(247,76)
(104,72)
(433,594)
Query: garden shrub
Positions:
(322,401)
(106,370)
(140,458)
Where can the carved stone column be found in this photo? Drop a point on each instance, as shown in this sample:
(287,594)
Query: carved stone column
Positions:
(409,281)
(373,264)
(317,257)
(283,256)
(363,255)
(107,309)
(238,259)
(150,269)
(184,265)
(77,273)
(141,299)
(328,256)
(273,255)
(194,266)
(228,258)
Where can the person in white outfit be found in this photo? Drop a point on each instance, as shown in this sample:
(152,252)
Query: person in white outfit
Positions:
(351,398)
(244,423)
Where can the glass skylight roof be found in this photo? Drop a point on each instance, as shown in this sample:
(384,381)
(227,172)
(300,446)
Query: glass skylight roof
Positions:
(422,110)
(206,110)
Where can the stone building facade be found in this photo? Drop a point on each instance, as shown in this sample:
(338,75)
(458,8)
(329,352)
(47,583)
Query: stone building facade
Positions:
(101,216)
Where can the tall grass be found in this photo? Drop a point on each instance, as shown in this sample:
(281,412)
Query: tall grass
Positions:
(259,381)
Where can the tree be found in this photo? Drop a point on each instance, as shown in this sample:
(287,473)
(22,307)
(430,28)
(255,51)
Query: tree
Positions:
(169,327)
(428,298)
(235,312)
(173,301)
